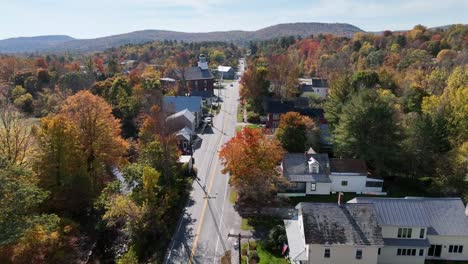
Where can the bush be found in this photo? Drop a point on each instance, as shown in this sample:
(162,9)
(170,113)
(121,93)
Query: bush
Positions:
(253,117)
(129,257)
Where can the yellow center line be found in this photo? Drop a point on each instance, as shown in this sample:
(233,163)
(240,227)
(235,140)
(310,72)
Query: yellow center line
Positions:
(205,203)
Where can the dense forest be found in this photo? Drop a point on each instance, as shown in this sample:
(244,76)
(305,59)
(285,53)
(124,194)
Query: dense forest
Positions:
(398,100)
(70,126)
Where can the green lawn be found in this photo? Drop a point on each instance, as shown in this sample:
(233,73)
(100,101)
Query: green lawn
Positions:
(245,225)
(254,126)
(265,256)
(240,117)
(233,196)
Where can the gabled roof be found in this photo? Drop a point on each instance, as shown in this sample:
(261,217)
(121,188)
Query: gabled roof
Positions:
(296,167)
(348,165)
(442,216)
(224,68)
(185,131)
(194,73)
(176,104)
(333,224)
(185,113)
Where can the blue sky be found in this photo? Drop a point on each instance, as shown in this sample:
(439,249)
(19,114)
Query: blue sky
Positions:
(96,18)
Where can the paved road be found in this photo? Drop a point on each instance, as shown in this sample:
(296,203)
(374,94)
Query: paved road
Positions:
(201,234)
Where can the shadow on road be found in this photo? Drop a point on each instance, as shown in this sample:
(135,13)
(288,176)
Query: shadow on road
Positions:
(218,231)
(197,142)
(208,130)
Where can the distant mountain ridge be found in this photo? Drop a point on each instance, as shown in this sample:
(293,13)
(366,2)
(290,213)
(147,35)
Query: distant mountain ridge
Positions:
(28,44)
(66,43)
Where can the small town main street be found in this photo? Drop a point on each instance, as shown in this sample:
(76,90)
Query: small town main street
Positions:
(202,233)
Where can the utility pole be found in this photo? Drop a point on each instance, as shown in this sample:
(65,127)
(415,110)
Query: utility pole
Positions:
(239,237)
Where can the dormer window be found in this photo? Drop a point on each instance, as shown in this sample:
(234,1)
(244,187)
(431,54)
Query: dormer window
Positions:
(315,168)
(313,165)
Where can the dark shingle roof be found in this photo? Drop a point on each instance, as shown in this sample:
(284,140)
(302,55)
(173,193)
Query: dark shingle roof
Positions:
(194,73)
(333,224)
(275,106)
(319,82)
(279,107)
(442,216)
(348,165)
(203,94)
(296,168)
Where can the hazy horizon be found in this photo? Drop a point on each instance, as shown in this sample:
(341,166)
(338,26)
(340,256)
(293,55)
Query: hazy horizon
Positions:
(92,19)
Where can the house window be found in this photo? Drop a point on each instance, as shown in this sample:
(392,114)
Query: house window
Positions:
(378,252)
(435,251)
(184,145)
(457,249)
(344,183)
(313,187)
(421,233)
(205,83)
(404,232)
(421,252)
(195,84)
(406,252)
(327,253)
(374,184)
(359,254)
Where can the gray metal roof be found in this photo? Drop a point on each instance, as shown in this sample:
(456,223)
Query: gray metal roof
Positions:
(176,104)
(309,178)
(184,113)
(333,224)
(442,216)
(407,242)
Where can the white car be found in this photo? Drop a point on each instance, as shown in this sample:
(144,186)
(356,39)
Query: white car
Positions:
(208,120)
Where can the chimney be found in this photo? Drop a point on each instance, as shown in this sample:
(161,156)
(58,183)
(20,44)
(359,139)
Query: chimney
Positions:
(340,198)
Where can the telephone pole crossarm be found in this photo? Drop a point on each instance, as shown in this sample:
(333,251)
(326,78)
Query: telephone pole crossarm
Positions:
(239,237)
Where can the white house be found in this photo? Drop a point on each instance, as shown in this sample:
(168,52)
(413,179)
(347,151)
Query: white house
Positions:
(317,86)
(350,175)
(227,72)
(312,173)
(175,104)
(328,233)
(416,229)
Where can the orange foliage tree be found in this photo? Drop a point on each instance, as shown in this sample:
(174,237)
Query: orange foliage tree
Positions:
(251,158)
(78,147)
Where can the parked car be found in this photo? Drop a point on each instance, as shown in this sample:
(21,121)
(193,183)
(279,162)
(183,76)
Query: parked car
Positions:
(208,120)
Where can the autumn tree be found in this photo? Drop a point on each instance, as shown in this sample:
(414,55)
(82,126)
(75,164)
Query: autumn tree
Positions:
(254,86)
(79,146)
(283,71)
(295,131)
(251,158)
(15,138)
(450,109)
